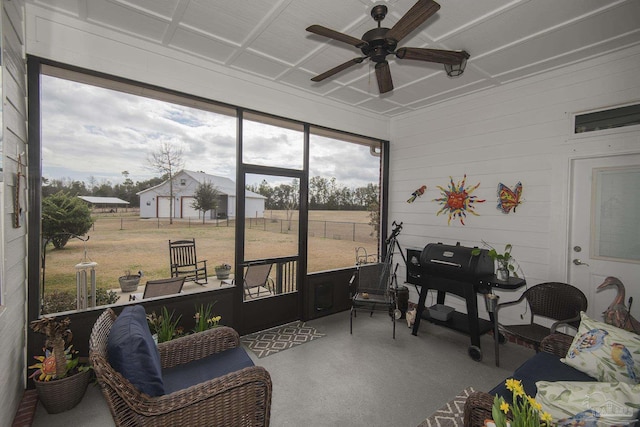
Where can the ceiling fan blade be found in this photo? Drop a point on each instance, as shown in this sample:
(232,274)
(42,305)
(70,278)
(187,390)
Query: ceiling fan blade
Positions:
(420,12)
(336,35)
(383,73)
(432,55)
(337,69)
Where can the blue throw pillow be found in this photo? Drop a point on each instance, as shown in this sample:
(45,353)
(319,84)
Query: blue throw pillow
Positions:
(133,353)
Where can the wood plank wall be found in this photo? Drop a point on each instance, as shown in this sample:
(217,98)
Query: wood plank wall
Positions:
(521,131)
(13,270)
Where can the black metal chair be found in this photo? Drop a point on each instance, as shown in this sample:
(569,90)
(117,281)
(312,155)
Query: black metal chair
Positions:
(371,291)
(559,302)
(185,263)
(256,280)
(160,287)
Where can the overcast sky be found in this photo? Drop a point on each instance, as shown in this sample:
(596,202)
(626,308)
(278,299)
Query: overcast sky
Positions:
(89,131)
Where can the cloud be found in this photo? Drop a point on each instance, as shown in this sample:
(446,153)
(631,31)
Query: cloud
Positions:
(89,131)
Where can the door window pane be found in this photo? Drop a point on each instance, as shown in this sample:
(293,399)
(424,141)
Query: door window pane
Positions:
(272,227)
(274,142)
(615,214)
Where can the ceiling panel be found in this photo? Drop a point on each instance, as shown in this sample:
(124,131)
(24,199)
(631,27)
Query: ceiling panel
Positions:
(162,8)
(507,40)
(202,46)
(126,19)
(231,20)
(249,62)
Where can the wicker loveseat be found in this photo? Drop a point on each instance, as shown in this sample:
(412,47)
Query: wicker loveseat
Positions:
(544,365)
(238,397)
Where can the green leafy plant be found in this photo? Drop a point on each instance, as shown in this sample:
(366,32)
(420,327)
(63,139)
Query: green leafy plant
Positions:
(205,319)
(504,259)
(523,412)
(223,266)
(165,326)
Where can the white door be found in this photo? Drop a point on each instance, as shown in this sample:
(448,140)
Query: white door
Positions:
(187,208)
(164,207)
(605,230)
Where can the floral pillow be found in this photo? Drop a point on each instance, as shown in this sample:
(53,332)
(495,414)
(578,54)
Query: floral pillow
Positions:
(605,352)
(589,403)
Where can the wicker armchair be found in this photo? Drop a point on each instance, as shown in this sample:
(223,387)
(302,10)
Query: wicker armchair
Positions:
(551,300)
(477,407)
(241,398)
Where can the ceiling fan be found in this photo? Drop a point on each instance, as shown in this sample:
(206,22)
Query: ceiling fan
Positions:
(379,42)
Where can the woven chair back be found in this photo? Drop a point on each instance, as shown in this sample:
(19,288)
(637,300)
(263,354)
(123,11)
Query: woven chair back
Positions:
(556,300)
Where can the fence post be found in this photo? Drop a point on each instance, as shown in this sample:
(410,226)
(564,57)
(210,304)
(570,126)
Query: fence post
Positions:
(354,231)
(121,223)
(325,229)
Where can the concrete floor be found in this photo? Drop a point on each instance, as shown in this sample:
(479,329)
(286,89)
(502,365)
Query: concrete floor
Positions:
(364,379)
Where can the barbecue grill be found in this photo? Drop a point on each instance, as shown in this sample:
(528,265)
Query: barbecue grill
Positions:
(454,269)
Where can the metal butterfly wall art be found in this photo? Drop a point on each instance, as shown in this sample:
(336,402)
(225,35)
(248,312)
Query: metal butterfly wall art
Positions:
(509,199)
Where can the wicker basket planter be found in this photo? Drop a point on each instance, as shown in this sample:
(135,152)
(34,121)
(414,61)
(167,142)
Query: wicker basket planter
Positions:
(129,283)
(222,273)
(63,394)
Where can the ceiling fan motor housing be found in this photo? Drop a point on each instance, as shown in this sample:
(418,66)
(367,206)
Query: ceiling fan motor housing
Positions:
(378,46)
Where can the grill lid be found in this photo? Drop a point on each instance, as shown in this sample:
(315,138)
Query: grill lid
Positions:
(455,261)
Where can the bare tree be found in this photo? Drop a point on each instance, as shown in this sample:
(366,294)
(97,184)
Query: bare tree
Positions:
(167,161)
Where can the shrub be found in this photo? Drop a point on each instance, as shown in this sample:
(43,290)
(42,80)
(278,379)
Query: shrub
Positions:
(64,216)
(58,301)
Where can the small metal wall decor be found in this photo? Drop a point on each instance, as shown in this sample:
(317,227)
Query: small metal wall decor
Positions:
(509,199)
(418,193)
(457,200)
(19,198)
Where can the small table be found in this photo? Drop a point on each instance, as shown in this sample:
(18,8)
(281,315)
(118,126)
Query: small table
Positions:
(491,301)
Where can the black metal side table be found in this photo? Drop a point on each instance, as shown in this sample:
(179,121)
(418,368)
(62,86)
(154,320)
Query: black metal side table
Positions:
(491,302)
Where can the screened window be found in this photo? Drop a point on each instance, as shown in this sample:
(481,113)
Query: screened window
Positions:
(608,119)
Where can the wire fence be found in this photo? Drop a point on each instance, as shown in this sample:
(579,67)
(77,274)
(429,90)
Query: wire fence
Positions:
(337,230)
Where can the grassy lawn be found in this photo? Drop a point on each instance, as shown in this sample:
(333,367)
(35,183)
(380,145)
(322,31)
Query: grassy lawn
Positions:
(125,243)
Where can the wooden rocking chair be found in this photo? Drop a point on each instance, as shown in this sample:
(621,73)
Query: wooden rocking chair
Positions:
(184,262)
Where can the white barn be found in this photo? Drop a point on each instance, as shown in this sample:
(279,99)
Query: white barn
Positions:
(155,201)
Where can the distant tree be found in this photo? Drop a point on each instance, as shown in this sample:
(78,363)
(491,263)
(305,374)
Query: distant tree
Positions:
(167,160)
(64,216)
(287,197)
(205,198)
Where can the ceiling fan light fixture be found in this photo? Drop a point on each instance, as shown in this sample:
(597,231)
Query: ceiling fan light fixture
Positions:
(456,70)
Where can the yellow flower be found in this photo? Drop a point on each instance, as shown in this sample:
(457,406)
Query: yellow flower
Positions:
(504,407)
(512,384)
(534,404)
(546,417)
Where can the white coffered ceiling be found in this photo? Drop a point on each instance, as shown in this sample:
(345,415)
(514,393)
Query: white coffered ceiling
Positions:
(507,40)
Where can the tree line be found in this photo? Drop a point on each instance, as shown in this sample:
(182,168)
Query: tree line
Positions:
(126,191)
(324,194)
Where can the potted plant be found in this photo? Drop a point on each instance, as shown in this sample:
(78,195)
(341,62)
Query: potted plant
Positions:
(129,282)
(506,263)
(222,271)
(205,319)
(60,379)
(165,326)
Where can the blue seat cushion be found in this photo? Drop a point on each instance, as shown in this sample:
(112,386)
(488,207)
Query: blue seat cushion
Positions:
(541,367)
(201,370)
(133,353)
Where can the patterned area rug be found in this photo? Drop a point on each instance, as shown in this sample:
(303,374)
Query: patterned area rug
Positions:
(280,338)
(451,414)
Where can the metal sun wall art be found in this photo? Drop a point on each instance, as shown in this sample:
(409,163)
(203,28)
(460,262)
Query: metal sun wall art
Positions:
(509,199)
(457,200)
